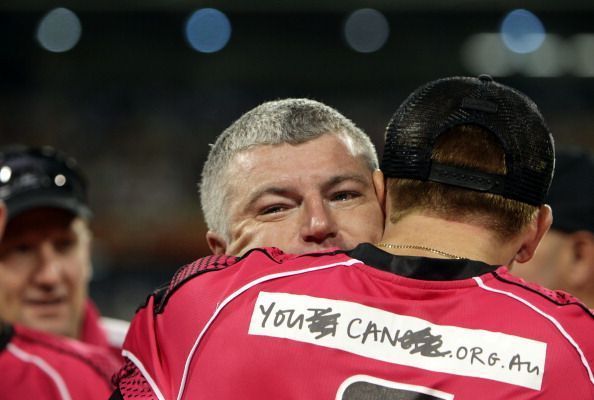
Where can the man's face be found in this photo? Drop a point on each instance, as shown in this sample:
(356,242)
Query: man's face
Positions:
(303,198)
(45,270)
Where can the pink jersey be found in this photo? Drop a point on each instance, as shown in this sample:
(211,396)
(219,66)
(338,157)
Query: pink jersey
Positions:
(362,324)
(95,334)
(40,366)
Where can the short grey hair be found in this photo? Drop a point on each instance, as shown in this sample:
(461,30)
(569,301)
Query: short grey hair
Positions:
(291,121)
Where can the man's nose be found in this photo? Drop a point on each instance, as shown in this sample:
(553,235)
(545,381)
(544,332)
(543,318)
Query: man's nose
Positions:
(318,222)
(47,272)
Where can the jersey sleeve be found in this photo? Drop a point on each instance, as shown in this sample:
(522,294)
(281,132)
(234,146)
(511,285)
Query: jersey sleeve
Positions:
(142,376)
(146,374)
(131,384)
(164,332)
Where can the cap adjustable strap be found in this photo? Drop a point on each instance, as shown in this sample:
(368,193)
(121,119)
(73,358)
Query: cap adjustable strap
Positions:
(466,178)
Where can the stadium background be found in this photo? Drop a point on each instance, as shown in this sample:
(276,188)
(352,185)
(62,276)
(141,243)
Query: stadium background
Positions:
(137,104)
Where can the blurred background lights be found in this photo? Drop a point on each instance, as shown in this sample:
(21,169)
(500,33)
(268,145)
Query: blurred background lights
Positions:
(208,30)
(5,174)
(583,50)
(366,30)
(484,53)
(548,61)
(556,56)
(522,31)
(59,30)
(60,180)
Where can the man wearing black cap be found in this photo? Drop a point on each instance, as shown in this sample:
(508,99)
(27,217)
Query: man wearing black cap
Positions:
(429,312)
(564,259)
(45,260)
(42,366)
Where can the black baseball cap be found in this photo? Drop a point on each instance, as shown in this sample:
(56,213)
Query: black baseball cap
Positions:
(34,177)
(505,112)
(572,191)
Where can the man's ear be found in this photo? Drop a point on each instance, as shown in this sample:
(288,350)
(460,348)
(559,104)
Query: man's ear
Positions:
(216,243)
(581,274)
(534,234)
(379,184)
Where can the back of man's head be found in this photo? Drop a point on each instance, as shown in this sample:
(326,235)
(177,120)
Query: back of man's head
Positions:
(287,121)
(471,150)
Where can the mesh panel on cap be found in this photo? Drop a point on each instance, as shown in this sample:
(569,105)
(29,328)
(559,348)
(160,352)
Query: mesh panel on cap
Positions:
(510,115)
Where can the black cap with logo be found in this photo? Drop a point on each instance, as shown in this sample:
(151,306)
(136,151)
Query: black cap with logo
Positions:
(34,177)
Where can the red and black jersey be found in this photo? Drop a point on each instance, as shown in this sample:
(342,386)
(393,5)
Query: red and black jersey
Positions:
(362,324)
(41,366)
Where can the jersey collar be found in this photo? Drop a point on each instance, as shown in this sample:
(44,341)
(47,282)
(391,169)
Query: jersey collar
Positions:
(425,268)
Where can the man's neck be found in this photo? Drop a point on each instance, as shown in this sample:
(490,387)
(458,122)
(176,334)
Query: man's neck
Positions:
(427,236)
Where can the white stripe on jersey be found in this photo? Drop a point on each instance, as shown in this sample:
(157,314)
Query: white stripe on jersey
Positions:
(44,366)
(565,334)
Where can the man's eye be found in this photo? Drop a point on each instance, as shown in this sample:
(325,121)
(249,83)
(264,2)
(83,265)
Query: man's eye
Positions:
(65,244)
(17,249)
(273,209)
(22,248)
(345,196)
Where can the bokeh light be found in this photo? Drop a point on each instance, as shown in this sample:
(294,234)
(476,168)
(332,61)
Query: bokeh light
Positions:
(522,32)
(484,53)
(60,180)
(546,62)
(583,50)
(5,174)
(366,30)
(208,30)
(59,30)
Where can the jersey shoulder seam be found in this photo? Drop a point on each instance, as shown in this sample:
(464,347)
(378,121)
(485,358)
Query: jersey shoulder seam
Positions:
(567,303)
(200,267)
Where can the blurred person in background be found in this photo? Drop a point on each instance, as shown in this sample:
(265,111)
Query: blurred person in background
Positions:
(45,255)
(564,259)
(293,173)
(42,366)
